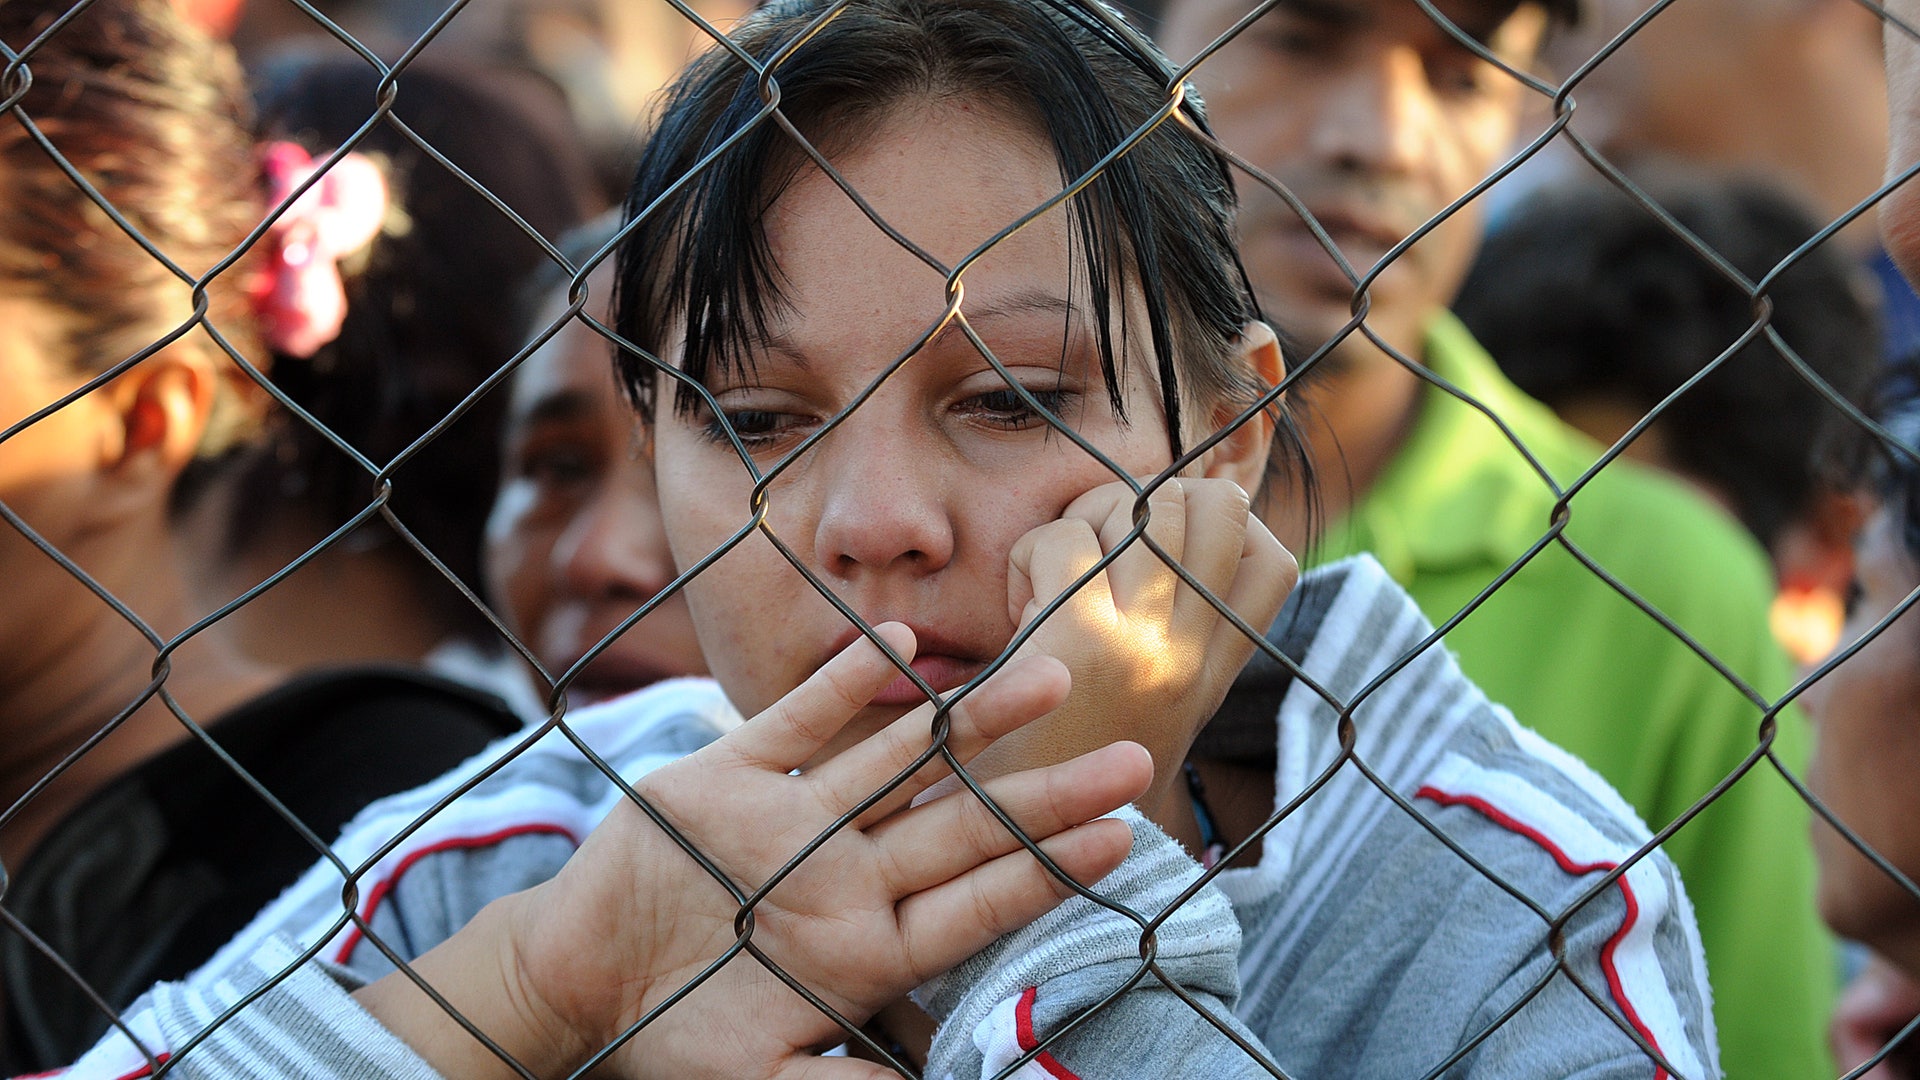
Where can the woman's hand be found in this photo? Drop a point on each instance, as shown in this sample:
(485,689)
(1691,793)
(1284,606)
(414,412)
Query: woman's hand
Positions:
(558,972)
(1151,658)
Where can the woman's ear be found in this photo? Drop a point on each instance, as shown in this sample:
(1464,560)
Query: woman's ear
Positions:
(1242,455)
(157,414)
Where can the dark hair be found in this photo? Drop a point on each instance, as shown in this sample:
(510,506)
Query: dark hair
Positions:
(1583,295)
(1160,216)
(430,305)
(536,291)
(153,114)
(1151,14)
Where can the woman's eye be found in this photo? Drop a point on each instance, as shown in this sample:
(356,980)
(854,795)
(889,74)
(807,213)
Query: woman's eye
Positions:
(1459,75)
(1008,409)
(556,467)
(754,427)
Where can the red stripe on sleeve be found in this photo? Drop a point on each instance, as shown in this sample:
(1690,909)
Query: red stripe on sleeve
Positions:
(147,1070)
(1615,985)
(144,1070)
(1023,1031)
(385,885)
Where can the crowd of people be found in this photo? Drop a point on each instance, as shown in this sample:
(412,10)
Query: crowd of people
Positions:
(519,565)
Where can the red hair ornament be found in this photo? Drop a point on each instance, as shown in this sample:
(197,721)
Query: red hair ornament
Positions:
(300,298)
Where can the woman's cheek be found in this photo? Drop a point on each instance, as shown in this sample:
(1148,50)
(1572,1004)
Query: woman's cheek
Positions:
(742,632)
(512,574)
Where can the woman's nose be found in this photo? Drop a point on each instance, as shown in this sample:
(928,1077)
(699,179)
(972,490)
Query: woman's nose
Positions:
(615,547)
(882,504)
(1379,116)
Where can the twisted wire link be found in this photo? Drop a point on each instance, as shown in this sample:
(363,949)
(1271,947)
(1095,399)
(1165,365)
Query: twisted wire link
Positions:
(16,78)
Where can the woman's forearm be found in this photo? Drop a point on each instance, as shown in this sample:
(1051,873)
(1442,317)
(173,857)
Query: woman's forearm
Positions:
(478,974)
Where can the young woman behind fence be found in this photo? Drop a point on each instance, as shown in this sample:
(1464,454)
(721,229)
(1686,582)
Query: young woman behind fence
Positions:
(938,501)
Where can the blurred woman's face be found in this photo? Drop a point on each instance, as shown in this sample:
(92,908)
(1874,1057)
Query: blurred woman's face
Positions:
(47,477)
(1866,763)
(54,448)
(909,509)
(574,544)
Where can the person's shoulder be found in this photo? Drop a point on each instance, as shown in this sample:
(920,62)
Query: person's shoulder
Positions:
(1632,518)
(673,717)
(1452,747)
(1521,789)
(1542,826)
(1472,854)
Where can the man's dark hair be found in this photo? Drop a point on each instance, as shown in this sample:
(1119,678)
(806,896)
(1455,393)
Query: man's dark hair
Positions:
(1585,296)
(1161,216)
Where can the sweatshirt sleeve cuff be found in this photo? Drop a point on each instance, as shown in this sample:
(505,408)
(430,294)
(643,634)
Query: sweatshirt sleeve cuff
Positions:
(305,1024)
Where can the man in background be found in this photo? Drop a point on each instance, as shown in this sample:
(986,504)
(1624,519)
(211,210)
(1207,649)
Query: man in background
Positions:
(1378,119)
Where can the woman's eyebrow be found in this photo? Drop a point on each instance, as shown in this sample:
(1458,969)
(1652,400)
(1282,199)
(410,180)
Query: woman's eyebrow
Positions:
(774,341)
(1335,14)
(777,342)
(556,407)
(1024,302)
(1013,305)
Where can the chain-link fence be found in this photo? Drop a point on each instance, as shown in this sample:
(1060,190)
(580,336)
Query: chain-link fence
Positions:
(932,313)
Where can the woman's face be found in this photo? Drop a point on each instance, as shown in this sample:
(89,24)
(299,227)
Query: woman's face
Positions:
(43,458)
(909,509)
(1866,762)
(574,544)
(59,476)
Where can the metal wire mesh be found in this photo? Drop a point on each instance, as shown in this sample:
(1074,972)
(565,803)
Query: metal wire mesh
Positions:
(1548,927)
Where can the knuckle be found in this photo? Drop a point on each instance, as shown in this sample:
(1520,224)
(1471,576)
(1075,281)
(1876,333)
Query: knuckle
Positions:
(989,904)
(981,831)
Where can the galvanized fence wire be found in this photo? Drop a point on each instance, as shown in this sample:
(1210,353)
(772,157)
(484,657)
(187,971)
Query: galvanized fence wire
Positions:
(764,75)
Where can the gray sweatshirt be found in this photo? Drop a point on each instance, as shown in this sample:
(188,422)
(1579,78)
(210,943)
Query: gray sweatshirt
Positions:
(1367,943)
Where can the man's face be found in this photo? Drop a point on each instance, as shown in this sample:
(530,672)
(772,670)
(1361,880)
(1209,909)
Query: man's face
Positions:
(1691,84)
(1378,119)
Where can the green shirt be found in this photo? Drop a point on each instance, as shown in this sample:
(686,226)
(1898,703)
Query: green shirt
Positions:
(1587,669)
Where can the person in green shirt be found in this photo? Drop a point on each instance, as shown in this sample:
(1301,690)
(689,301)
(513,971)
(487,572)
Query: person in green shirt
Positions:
(1378,120)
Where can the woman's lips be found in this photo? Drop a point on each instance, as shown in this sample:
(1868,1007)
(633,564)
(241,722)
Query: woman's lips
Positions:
(943,661)
(941,671)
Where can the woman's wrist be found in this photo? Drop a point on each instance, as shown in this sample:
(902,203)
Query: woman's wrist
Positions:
(481,973)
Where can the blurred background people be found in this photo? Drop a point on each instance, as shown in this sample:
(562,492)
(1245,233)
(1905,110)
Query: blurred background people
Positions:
(574,543)
(430,316)
(1378,119)
(131,849)
(607,58)
(1866,716)
(1785,92)
(1594,306)
(610,58)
